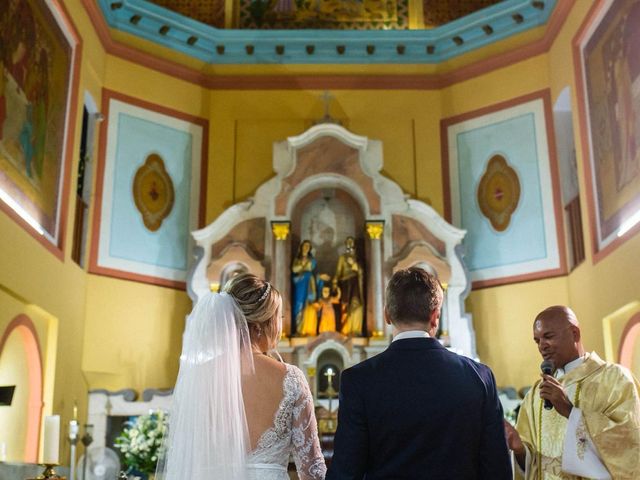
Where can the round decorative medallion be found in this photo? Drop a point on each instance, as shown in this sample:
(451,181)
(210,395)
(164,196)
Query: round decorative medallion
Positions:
(153,192)
(498,192)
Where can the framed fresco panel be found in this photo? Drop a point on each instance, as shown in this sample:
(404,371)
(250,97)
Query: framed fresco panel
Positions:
(150,193)
(607,69)
(501,186)
(39,67)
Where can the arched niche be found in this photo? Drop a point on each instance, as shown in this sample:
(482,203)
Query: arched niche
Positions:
(629,350)
(326,217)
(21,337)
(321,353)
(621,336)
(328,161)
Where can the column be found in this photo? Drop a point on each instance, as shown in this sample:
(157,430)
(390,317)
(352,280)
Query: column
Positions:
(280,232)
(375,230)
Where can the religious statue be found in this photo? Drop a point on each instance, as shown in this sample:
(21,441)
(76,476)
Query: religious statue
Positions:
(349,278)
(304,290)
(324,306)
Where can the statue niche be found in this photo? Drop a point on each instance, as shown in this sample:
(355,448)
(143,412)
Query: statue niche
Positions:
(328,230)
(327,274)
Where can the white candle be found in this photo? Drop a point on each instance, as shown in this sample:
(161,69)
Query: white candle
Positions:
(73,430)
(51,439)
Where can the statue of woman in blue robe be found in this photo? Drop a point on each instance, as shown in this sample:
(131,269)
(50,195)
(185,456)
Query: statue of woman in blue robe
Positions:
(304,290)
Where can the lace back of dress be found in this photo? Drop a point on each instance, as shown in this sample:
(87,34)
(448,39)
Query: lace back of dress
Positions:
(294,431)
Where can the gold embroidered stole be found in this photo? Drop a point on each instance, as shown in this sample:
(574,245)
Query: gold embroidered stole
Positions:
(544,430)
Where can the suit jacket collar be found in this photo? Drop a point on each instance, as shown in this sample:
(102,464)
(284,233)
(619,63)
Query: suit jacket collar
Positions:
(416,344)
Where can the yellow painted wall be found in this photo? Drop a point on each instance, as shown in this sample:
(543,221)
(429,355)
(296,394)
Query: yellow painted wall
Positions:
(133,334)
(13,368)
(116,333)
(595,291)
(614,326)
(133,331)
(46,287)
(13,371)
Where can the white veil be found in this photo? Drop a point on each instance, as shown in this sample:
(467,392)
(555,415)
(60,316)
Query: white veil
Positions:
(208,435)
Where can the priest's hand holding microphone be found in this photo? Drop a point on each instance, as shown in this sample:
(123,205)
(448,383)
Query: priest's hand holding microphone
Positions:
(552,391)
(553,395)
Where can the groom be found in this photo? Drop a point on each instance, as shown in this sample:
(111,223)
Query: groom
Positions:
(418,410)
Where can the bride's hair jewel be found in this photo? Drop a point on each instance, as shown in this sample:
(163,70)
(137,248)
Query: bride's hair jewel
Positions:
(265,293)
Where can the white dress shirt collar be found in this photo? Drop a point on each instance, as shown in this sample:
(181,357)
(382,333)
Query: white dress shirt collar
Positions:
(411,334)
(573,364)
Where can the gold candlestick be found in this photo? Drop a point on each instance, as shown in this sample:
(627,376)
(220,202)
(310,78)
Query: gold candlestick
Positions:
(49,472)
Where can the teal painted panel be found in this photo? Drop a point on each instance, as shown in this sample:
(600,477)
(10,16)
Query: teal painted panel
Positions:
(129,238)
(524,239)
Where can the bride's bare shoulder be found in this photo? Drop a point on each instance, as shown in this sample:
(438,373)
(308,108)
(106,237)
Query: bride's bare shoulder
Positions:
(268,366)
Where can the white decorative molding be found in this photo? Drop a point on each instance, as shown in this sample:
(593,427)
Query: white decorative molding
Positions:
(392,201)
(104,404)
(328,345)
(327,130)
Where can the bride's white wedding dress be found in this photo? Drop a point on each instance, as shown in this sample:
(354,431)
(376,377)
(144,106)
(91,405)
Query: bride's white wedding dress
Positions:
(207,433)
(294,431)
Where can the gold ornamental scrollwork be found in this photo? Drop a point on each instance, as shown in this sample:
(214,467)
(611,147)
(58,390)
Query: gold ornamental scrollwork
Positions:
(280,230)
(375,230)
(499,193)
(153,192)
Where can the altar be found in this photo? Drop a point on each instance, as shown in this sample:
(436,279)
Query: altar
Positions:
(328,230)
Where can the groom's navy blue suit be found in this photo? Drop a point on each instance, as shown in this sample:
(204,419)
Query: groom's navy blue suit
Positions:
(419,411)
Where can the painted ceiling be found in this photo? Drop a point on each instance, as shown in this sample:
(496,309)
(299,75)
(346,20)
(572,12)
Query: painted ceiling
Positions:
(328,14)
(337,32)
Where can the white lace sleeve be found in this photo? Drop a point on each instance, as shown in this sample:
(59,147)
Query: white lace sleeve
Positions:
(304,434)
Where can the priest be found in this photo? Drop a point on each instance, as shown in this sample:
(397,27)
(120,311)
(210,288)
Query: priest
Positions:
(581,420)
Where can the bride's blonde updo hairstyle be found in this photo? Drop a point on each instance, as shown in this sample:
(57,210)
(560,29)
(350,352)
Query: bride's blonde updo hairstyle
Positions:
(261,305)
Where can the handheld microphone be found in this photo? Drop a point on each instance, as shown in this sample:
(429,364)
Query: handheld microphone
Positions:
(547,368)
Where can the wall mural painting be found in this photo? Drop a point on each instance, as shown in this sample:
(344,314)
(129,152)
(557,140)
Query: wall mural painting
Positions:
(150,194)
(503,189)
(611,68)
(325,14)
(36,67)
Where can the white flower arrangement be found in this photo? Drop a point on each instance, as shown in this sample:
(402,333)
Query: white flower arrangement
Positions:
(141,441)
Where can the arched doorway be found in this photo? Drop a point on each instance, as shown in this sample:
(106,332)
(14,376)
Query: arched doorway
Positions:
(21,335)
(629,353)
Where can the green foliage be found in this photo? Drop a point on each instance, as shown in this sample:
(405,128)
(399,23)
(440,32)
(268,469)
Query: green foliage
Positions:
(141,441)
(510,416)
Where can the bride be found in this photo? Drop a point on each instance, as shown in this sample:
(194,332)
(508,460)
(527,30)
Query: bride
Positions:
(237,413)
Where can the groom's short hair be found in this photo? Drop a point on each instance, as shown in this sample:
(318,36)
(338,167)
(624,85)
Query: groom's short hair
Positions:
(412,295)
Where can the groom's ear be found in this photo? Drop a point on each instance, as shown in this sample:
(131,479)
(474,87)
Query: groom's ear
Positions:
(387,319)
(434,319)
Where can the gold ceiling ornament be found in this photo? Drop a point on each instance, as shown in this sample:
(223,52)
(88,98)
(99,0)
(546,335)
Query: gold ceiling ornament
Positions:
(211,12)
(304,14)
(280,230)
(498,192)
(153,192)
(440,12)
(375,230)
